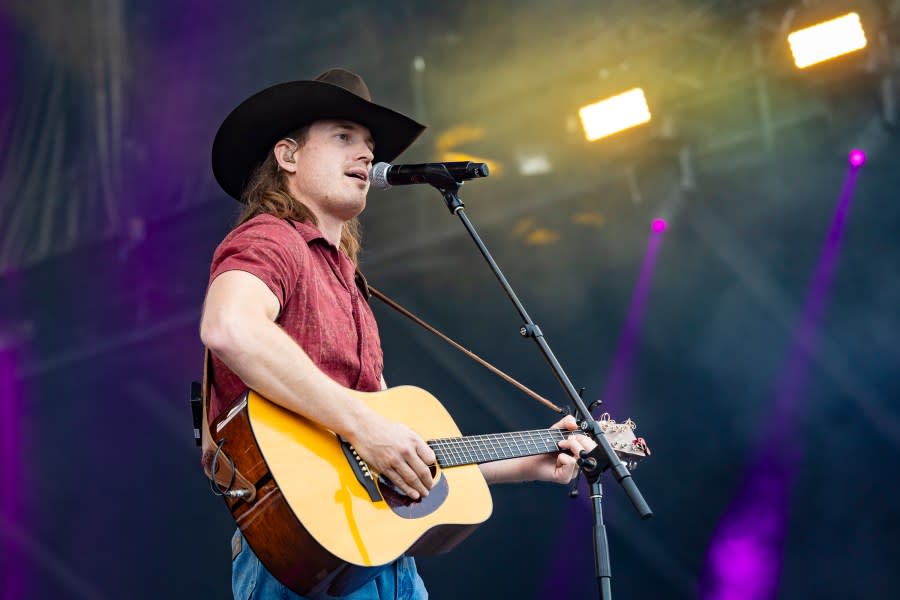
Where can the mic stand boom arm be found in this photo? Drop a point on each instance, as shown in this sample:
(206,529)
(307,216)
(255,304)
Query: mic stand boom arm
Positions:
(601,458)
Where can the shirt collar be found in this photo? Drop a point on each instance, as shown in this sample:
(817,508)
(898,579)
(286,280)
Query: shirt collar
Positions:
(309,232)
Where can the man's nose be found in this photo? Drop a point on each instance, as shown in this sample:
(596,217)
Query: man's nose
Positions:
(365,153)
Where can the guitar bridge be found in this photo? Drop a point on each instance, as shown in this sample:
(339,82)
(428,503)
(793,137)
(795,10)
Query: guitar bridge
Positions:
(360,470)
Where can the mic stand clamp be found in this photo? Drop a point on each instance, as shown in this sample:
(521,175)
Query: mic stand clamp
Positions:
(601,457)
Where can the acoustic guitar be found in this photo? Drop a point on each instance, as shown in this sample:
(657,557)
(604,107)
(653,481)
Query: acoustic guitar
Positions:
(315,514)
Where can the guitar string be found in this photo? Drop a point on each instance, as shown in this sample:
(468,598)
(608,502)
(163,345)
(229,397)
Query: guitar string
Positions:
(465,450)
(531,432)
(469,449)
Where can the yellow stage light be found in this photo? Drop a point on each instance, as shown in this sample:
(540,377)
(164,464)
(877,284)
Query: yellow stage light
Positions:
(457,136)
(614,114)
(827,40)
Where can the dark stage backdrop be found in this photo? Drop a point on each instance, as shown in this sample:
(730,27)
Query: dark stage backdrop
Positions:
(754,342)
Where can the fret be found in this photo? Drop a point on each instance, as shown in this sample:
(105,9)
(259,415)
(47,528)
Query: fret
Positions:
(451,454)
(442,454)
(524,443)
(458,451)
(471,450)
(477,448)
(504,445)
(487,443)
(496,451)
(520,445)
(465,452)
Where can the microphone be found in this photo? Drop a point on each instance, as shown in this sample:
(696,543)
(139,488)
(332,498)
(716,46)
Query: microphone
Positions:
(384,175)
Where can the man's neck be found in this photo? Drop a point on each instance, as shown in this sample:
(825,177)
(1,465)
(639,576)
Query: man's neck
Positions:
(330,227)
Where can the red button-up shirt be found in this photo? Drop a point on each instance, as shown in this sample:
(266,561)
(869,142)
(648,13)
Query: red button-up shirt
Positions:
(321,306)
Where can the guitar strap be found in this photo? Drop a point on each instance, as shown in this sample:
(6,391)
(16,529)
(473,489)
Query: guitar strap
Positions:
(368,291)
(507,378)
(225,477)
(206,441)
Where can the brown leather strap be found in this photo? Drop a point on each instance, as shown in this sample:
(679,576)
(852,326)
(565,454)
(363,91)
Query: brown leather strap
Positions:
(464,350)
(226,477)
(206,441)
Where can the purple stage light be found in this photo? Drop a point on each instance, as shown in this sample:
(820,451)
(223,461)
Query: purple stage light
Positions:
(619,375)
(615,394)
(12,560)
(746,553)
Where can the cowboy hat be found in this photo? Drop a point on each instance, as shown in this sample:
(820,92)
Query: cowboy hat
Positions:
(251,130)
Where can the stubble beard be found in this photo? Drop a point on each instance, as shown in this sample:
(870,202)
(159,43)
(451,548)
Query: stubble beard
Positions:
(346,205)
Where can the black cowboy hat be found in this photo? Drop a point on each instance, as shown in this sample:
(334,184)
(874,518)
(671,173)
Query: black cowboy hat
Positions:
(251,130)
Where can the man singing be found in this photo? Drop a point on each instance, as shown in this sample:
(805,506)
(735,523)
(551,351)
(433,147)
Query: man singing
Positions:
(284,314)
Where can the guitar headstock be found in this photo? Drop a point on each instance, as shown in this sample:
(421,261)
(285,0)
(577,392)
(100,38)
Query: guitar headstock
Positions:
(627,446)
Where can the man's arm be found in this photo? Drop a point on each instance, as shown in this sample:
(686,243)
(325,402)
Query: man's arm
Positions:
(238,326)
(559,468)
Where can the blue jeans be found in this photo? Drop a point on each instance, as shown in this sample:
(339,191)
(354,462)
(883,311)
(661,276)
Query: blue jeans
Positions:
(250,579)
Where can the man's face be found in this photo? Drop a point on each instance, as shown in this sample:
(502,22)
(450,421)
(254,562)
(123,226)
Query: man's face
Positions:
(332,175)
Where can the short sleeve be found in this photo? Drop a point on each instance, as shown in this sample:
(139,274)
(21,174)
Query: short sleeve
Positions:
(268,248)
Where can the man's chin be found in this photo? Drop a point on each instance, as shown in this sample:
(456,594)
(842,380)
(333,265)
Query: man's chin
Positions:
(352,208)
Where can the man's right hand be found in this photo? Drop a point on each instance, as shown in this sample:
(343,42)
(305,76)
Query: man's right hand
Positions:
(397,452)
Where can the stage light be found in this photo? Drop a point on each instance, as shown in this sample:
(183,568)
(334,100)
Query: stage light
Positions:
(614,114)
(454,137)
(827,40)
(857,158)
(659,225)
(534,164)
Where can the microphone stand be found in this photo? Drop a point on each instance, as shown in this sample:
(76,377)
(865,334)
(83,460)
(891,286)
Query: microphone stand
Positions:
(591,463)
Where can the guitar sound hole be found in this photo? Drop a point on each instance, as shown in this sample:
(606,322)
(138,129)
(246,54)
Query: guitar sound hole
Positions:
(387,487)
(406,507)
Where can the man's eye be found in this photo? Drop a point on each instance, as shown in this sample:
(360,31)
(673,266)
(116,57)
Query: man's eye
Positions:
(344,136)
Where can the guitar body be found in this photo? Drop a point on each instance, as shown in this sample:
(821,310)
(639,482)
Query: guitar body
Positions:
(311,521)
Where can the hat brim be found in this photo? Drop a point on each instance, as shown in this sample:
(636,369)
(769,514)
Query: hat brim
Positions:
(251,130)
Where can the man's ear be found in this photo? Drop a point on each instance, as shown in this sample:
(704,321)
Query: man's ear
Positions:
(284,155)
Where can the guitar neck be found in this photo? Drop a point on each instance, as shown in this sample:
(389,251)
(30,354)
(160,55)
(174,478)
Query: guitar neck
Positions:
(476,449)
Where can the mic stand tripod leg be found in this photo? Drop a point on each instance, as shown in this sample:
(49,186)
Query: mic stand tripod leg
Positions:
(601,545)
(602,570)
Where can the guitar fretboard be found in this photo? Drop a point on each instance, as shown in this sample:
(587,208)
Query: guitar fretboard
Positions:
(474,449)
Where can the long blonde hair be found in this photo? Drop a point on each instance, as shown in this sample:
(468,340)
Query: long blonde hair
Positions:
(268,193)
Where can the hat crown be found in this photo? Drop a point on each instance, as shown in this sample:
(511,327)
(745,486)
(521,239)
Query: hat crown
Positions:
(348,80)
